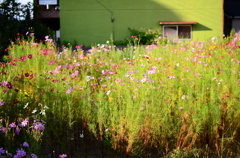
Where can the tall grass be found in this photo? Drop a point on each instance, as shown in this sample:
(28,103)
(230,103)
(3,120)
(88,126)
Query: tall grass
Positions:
(161,100)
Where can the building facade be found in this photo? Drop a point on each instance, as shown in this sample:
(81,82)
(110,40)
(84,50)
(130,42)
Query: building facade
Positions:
(90,22)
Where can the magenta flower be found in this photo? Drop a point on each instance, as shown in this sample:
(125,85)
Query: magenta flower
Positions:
(17,131)
(38,126)
(3,129)
(62,156)
(1,102)
(133,36)
(30,56)
(15,59)
(9,85)
(12,125)
(23,58)
(79,46)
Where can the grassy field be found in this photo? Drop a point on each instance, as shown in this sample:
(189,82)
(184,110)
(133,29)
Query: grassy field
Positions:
(179,99)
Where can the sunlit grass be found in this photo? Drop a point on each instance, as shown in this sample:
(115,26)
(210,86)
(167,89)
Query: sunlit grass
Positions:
(180,96)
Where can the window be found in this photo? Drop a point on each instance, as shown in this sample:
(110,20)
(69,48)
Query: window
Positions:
(45,2)
(177,31)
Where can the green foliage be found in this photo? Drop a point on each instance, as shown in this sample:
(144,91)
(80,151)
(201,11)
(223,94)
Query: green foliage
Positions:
(177,153)
(123,42)
(145,36)
(169,99)
(142,37)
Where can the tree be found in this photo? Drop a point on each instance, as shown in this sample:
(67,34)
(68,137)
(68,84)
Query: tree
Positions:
(14,18)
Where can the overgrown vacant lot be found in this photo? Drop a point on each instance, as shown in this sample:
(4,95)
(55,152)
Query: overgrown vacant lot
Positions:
(180,99)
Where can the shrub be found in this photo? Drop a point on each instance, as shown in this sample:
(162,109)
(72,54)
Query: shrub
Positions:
(145,36)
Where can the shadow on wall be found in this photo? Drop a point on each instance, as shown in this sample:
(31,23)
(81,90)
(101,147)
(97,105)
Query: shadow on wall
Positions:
(201,27)
(95,21)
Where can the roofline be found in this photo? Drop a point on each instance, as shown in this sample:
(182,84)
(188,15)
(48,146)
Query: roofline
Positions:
(177,22)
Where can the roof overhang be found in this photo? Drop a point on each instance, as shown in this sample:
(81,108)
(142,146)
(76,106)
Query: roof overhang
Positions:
(177,22)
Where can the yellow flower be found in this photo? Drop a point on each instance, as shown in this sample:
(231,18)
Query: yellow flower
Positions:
(110,98)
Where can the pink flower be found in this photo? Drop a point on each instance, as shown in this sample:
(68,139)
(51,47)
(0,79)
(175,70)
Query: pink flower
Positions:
(62,156)
(152,71)
(38,126)
(133,36)
(158,58)
(12,125)
(23,58)
(69,90)
(1,102)
(75,74)
(24,122)
(171,77)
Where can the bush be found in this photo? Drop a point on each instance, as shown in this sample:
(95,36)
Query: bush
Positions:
(145,36)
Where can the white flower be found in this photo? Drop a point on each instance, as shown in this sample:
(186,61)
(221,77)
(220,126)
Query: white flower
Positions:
(25,106)
(40,104)
(34,111)
(108,92)
(81,135)
(183,97)
(144,79)
(43,112)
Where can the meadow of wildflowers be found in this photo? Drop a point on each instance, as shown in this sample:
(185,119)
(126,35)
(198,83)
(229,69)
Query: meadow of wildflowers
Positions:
(157,100)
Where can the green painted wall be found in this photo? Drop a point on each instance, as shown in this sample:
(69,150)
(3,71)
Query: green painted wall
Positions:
(89,21)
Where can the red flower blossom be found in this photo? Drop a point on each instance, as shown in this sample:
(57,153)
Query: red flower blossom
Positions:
(30,56)
(15,101)
(16,78)
(26,74)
